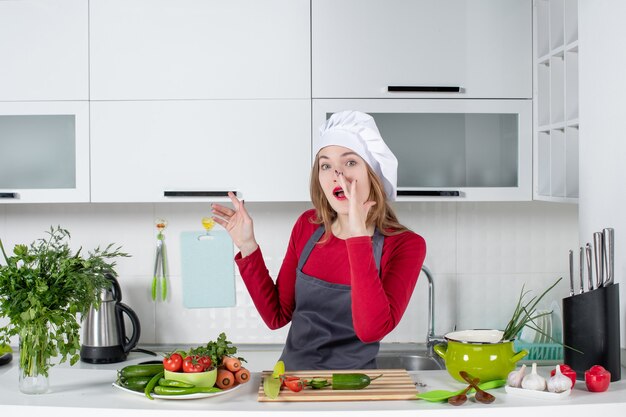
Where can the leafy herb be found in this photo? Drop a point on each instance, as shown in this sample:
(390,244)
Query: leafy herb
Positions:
(217,349)
(525,314)
(43,289)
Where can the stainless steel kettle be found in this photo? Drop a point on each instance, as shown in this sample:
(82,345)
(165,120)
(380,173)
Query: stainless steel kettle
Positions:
(104,336)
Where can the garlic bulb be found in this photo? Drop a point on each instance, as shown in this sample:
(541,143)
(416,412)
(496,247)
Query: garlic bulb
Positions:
(515,377)
(559,382)
(534,381)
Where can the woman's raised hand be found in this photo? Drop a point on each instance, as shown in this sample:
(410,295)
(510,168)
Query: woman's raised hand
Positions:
(357,212)
(237,223)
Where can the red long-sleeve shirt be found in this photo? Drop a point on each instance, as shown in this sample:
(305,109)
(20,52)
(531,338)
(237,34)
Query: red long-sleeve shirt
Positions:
(378,303)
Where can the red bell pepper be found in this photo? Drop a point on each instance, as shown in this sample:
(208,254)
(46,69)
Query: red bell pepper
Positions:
(597,379)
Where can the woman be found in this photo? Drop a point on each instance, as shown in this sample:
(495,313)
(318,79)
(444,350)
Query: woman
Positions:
(350,267)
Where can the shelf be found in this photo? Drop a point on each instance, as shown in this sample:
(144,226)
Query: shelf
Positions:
(552,199)
(556,100)
(558,126)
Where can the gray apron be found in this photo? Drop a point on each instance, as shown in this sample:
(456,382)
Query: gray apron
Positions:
(322,334)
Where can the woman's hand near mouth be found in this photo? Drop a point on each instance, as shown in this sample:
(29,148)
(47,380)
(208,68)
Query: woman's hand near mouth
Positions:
(237,223)
(357,212)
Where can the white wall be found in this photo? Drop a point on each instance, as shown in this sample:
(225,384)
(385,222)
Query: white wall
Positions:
(480,255)
(602,61)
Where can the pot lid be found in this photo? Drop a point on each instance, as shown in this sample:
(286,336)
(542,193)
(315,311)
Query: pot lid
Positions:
(485,336)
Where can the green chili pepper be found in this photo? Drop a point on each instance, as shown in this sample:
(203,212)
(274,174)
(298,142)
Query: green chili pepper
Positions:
(153,382)
(161,390)
(173,383)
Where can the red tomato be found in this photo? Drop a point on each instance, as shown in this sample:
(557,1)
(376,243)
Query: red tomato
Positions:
(597,379)
(205,361)
(173,362)
(192,365)
(568,372)
(293,383)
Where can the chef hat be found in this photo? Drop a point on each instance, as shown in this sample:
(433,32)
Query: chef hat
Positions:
(358,131)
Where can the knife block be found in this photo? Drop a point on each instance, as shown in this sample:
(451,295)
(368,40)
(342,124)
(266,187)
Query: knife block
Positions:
(591,325)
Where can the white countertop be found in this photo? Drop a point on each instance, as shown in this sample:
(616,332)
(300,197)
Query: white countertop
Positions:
(86,390)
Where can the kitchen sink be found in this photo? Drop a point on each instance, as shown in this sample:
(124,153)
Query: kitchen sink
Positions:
(410,362)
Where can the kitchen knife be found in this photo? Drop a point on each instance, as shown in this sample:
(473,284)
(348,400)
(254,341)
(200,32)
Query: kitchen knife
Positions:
(571,272)
(589,267)
(608,237)
(582,270)
(599,258)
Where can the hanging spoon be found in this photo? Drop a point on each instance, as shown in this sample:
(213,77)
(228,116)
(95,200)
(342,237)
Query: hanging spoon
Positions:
(481,396)
(461,398)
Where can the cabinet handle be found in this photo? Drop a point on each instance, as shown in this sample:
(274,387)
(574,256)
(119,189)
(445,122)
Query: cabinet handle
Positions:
(8,195)
(428,193)
(422,89)
(197,193)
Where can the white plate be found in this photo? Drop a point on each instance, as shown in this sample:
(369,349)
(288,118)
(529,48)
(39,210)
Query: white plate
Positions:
(179,397)
(541,395)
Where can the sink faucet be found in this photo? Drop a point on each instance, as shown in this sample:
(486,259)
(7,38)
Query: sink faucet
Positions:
(431,339)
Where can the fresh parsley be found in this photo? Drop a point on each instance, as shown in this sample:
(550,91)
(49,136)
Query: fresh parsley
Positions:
(44,288)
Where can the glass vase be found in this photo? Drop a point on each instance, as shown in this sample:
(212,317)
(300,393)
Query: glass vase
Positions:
(33,363)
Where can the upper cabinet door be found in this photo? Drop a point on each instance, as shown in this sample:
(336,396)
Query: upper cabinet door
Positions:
(360,48)
(196,150)
(44,152)
(44,50)
(199,49)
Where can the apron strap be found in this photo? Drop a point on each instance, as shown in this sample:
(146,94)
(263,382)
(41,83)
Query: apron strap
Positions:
(308,248)
(378,240)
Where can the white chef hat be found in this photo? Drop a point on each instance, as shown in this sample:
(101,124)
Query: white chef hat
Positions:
(357,131)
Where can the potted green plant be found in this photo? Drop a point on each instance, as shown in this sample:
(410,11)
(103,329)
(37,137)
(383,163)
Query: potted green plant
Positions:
(44,289)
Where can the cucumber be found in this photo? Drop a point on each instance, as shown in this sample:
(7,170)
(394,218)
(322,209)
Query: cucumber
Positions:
(137,383)
(351,381)
(133,371)
(161,390)
(318,383)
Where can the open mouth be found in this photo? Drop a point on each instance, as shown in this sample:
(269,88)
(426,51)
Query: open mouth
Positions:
(338,193)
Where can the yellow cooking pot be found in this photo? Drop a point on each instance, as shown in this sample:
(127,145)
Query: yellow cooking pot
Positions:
(481,353)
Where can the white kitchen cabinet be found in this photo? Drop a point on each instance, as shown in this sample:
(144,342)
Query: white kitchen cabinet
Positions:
(44,152)
(142,150)
(199,49)
(451,150)
(44,50)
(425,48)
(556,106)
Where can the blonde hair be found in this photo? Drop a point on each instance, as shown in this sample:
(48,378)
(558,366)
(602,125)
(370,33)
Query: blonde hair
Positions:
(380,215)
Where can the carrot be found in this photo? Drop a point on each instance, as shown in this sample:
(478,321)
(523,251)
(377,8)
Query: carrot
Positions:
(231,363)
(242,376)
(225,379)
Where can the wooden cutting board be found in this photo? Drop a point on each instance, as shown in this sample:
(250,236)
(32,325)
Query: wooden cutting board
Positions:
(395,384)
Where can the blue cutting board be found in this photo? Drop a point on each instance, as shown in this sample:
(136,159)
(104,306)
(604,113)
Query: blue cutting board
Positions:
(208,269)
